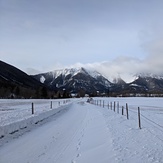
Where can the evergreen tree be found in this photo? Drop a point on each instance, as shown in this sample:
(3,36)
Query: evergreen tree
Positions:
(44,92)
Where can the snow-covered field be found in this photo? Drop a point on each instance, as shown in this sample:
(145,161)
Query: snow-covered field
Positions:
(16,110)
(79,132)
(16,115)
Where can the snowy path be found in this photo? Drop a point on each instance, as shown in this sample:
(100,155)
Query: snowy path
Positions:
(84,133)
(72,137)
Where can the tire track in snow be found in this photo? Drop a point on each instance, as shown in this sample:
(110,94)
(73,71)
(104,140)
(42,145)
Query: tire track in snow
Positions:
(95,143)
(72,144)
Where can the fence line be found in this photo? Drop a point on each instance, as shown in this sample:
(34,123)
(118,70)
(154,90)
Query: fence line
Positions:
(140,115)
(51,104)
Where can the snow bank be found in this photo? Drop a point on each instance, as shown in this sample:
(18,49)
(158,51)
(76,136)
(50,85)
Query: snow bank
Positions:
(25,123)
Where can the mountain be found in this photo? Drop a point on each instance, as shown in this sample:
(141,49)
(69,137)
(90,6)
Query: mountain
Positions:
(14,81)
(75,80)
(81,81)
(12,74)
(144,84)
(149,83)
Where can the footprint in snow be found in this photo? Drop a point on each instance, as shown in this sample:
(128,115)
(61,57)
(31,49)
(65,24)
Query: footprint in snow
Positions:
(79,143)
(78,155)
(78,148)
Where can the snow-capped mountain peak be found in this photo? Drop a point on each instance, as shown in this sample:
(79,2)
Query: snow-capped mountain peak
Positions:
(75,79)
(74,71)
(151,75)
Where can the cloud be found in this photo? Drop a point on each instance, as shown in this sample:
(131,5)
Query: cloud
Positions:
(113,65)
(32,71)
(153,46)
(128,67)
(101,35)
(124,67)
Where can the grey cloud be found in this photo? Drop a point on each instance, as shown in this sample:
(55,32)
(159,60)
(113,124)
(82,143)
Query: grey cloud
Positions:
(88,31)
(124,67)
(153,47)
(127,67)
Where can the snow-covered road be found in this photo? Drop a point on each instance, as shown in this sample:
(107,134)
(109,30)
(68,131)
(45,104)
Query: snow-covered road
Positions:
(84,133)
(71,137)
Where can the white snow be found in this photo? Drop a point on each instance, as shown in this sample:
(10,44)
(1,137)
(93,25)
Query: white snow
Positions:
(17,114)
(65,72)
(136,85)
(146,75)
(74,71)
(79,132)
(42,79)
(93,73)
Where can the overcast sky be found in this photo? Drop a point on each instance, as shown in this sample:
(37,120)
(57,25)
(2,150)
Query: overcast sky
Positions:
(115,36)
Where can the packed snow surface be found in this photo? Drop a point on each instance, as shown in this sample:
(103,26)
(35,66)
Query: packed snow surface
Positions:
(81,132)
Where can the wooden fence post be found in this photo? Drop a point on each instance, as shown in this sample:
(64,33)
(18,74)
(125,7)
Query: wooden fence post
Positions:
(122,110)
(118,107)
(103,103)
(114,106)
(32,108)
(51,105)
(139,118)
(111,105)
(127,111)
(108,105)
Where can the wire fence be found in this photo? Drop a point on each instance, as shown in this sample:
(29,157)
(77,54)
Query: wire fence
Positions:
(11,111)
(139,115)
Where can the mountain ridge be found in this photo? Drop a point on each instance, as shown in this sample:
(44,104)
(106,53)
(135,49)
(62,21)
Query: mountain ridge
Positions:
(143,83)
(14,83)
(75,80)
